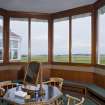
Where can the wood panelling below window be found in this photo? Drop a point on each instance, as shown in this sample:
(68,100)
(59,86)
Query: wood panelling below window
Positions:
(99,80)
(80,76)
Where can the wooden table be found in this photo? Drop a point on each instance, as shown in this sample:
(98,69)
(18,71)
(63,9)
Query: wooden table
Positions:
(52,95)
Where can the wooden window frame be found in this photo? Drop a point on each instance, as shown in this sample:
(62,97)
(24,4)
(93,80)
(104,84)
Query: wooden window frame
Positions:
(93,8)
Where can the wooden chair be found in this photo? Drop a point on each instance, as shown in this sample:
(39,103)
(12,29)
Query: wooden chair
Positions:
(81,102)
(74,100)
(32,72)
(42,103)
(55,81)
(5,85)
(33,104)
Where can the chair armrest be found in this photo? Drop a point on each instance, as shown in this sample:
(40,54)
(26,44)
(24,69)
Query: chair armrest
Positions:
(71,97)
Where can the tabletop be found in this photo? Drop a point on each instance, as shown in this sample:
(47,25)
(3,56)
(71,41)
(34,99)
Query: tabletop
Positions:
(51,94)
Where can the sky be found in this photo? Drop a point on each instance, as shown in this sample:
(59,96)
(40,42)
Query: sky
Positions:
(101,32)
(81,36)
(39,35)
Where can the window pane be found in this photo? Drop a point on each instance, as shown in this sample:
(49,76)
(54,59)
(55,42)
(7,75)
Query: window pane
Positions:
(81,38)
(61,40)
(39,40)
(1,39)
(101,36)
(14,44)
(18,50)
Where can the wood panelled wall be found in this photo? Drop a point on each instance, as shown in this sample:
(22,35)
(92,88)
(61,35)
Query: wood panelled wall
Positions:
(80,76)
(99,80)
(15,71)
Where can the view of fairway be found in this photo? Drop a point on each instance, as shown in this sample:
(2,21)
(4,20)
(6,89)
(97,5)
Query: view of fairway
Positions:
(64,58)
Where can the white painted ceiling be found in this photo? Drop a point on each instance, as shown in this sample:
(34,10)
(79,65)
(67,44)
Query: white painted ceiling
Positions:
(43,6)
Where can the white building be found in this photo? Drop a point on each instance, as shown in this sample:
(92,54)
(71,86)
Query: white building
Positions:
(14,46)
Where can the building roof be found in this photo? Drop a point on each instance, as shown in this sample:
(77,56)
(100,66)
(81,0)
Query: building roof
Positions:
(12,34)
(43,6)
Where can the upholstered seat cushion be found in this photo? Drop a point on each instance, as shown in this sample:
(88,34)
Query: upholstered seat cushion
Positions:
(96,89)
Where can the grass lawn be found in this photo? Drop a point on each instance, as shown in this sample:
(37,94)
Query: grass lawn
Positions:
(64,58)
(75,58)
(41,58)
(102,59)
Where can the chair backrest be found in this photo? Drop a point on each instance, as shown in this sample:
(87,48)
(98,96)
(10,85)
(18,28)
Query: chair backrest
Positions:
(5,85)
(74,100)
(31,75)
(57,82)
